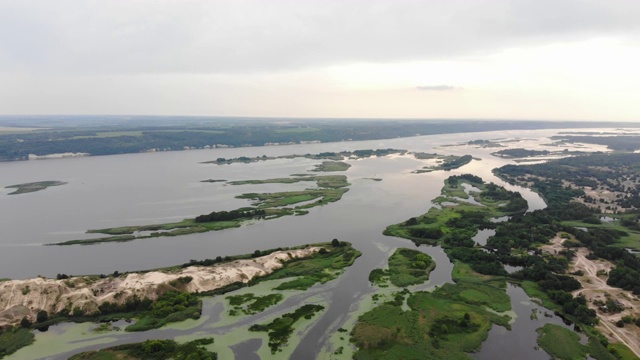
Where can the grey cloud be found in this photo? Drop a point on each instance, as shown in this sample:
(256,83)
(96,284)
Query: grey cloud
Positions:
(436,87)
(202,36)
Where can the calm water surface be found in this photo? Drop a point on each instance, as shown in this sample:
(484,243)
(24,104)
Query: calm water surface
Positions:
(138,189)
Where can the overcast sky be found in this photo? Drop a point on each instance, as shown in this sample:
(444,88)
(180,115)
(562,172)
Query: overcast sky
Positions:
(498,59)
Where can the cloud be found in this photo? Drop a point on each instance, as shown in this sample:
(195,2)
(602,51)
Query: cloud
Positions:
(240,36)
(436,87)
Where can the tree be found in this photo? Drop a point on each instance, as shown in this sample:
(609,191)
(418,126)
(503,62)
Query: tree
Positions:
(42,316)
(335,243)
(25,323)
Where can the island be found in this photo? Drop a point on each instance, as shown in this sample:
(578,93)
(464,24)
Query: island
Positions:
(265,206)
(162,296)
(446,163)
(335,157)
(33,186)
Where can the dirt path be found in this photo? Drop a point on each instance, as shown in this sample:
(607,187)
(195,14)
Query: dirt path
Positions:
(594,287)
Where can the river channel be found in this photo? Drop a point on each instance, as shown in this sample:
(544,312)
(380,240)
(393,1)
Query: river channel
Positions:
(150,188)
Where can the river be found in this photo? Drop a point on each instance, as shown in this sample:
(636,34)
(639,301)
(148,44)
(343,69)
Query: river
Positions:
(136,189)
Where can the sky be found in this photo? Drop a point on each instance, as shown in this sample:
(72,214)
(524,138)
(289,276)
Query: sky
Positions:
(459,59)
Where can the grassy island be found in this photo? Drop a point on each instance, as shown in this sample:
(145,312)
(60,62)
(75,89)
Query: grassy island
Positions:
(328,166)
(33,186)
(281,328)
(456,220)
(333,156)
(446,163)
(330,188)
(406,267)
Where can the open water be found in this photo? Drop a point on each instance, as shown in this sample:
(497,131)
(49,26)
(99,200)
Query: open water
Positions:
(148,188)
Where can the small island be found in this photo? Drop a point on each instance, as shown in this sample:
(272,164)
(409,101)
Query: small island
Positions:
(328,166)
(33,186)
(333,156)
(266,206)
(445,163)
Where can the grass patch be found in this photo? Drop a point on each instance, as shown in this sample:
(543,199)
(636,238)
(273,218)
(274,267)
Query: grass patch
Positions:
(631,240)
(533,290)
(564,344)
(281,328)
(435,327)
(561,343)
(409,267)
(13,339)
(249,304)
(323,181)
(172,306)
(456,221)
(328,166)
(380,277)
(153,349)
(621,352)
(321,267)
(447,163)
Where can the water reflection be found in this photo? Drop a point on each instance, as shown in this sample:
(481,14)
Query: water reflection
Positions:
(521,341)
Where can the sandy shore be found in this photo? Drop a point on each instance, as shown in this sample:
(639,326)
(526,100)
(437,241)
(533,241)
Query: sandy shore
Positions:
(24,298)
(594,287)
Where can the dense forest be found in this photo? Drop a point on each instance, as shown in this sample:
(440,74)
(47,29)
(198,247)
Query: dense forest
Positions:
(618,173)
(617,142)
(113,135)
(612,172)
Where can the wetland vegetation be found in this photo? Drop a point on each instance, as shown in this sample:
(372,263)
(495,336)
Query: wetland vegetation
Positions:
(250,304)
(328,166)
(434,330)
(33,186)
(330,188)
(455,318)
(281,328)
(445,163)
(153,349)
(335,163)
(406,267)
(321,267)
(14,338)
(443,324)
(173,305)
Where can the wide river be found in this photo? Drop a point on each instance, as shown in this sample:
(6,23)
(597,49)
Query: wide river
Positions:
(148,188)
